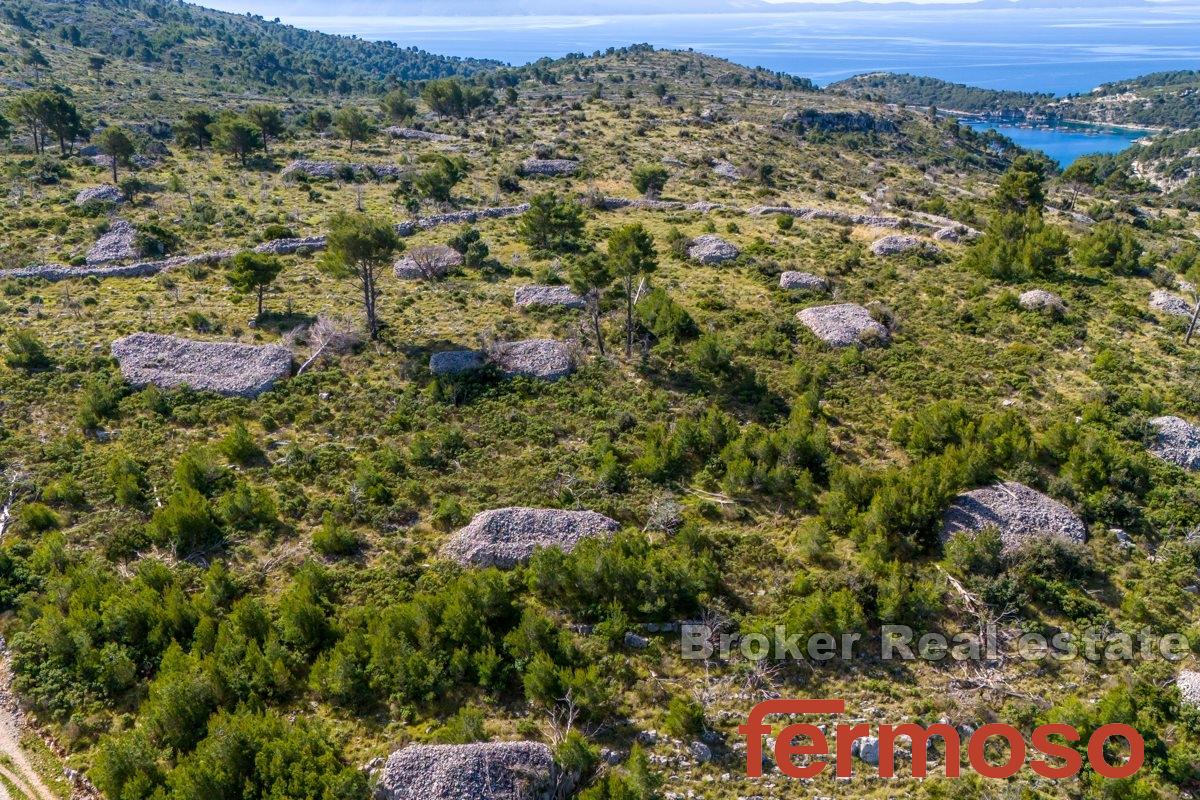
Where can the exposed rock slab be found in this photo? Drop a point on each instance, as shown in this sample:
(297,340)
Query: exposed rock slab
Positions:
(728,171)
(484,771)
(328,170)
(956,233)
(1020,514)
(803,281)
(843,325)
(227,368)
(429,261)
(549,167)
(283,247)
(452,362)
(119,243)
(1041,300)
(1176,441)
(397,132)
(105,193)
(532,296)
(505,537)
(1189,687)
(899,243)
(712,249)
(1172,304)
(547,359)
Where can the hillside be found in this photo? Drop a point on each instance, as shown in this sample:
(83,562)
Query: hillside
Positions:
(758,340)
(214,51)
(886,87)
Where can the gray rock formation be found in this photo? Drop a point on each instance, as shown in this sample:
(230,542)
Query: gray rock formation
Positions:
(226,368)
(1041,300)
(119,243)
(956,233)
(533,358)
(505,537)
(803,281)
(844,325)
(397,132)
(531,296)
(59,272)
(1189,687)
(728,171)
(828,215)
(105,193)
(1176,441)
(1020,514)
(452,362)
(283,247)
(712,249)
(1172,304)
(898,243)
(328,170)
(428,262)
(549,167)
(483,771)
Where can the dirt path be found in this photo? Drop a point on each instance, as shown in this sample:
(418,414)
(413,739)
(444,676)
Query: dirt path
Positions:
(22,775)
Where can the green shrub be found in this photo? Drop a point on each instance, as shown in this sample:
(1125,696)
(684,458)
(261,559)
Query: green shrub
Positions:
(685,718)
(239,446)
(26,352)
(186,522)
(37,518)
(334,539)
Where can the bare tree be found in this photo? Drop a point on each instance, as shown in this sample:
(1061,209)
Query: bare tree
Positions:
(326,336)
(431,262)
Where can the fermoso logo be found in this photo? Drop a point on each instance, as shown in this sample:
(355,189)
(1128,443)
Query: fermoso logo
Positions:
(786,748)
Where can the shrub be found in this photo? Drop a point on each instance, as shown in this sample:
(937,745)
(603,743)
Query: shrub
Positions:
(239,446)
(334,539)
(127,480)
(1110,247)
(26,352)
(685,718)
(186,522)
(37,518)
(649,179)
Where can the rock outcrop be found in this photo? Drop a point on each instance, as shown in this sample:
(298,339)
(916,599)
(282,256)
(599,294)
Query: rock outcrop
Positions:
(1189,687)
(803,281)
(1020,514)
(227,368)
(284,247)
(428,262)
(1172,304)
(119,243)
(897,244)
(397,132)
(533,296)
(547,359)
(1176,441)
(728,171)
(328,170)
(549,167)
(844,325)
(483,771)
(1041,300)
(956,233)
(505,537)
(105,193)
(712,249)
(452,362)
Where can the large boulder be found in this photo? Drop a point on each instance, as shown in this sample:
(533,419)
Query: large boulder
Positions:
(484,771)
(728,171)
(429,261)
(505,537)
(530,296)
(843,325)
(119,243)
(452,362)
(547,359)
(803,281)
(1189,687)
(1020,514)
(549,167)
(898,244)
(712,249)
(1041,300)
(227,368)
(956,233)
(1177,441)
(1172,304)
(104,193)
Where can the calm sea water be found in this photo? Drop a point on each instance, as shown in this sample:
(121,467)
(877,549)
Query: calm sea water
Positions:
(1066,143)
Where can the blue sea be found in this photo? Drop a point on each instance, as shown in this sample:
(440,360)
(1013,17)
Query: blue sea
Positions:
(1063,48)
(1065,143)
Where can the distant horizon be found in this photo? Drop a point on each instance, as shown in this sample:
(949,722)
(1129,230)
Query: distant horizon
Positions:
(1020,45)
